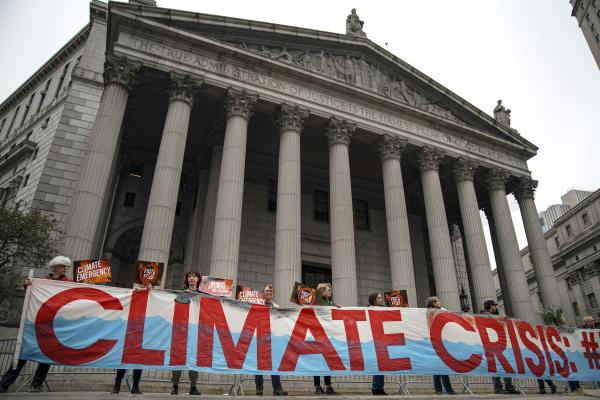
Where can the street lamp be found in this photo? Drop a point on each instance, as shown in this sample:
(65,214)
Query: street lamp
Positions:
(464,300)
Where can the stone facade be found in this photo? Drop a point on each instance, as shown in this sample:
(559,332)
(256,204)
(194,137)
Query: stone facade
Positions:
(574,248)
(587,13)
(293,155)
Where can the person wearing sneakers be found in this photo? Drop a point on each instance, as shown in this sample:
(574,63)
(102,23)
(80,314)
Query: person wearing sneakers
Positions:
(376,300)
(190,284)
(59,266)
(268,293)
(440,382)
(324,298)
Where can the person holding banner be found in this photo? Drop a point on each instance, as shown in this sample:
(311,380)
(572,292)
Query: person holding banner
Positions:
(491,307)
(440,380)
(324,298)
(137,373)
(376,300)
(59,266)
(268,293)
(190,284)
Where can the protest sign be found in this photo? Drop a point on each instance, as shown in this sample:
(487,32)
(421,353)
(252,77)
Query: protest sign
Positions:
(396,298)
(147,272)
(249,295)
(92,271)
(303,295)
(216,286)
(107,327)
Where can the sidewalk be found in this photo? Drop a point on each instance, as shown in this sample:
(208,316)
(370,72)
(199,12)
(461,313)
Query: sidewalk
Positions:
(125,395)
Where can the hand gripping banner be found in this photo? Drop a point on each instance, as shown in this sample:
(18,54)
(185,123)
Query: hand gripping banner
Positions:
(99,326)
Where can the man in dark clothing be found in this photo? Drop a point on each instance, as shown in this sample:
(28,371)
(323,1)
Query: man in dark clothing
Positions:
(491,307)
(59,266)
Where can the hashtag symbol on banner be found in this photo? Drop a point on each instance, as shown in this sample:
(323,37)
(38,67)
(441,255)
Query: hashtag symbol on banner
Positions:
(590,348)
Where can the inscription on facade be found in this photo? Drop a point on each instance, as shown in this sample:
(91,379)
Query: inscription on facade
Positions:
(317,97)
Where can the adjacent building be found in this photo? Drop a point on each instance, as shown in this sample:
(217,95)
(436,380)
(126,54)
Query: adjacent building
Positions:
(270,153)
(587,13)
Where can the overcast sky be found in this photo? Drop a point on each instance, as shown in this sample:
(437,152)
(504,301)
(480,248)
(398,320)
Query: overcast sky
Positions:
(529,53)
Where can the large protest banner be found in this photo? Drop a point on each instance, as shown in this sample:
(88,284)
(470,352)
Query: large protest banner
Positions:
(99,326)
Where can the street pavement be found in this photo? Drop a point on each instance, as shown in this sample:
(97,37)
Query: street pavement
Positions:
(125,395)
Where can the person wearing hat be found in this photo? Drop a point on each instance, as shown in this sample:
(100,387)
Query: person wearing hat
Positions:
(491,307)
(59,266)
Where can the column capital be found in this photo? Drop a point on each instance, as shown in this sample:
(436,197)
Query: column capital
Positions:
(429,158)
(121,71)
(291,118)
(464,168)
(391,146)
(496,179)
(239,103)
(183,87)
(339,131)
(525,188)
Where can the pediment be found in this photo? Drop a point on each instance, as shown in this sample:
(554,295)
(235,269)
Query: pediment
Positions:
(354,61)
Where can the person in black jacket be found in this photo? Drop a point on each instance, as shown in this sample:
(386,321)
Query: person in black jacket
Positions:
(440,380)
(324,298)
(491,307)
(376,300)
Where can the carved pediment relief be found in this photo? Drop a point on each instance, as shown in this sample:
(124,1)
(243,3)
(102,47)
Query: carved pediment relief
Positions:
(353,70)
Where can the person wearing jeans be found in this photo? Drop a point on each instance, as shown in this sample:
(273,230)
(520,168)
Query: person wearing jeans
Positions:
(376,300)
(440,382)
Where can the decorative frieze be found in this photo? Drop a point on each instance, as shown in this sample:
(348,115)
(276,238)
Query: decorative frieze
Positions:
(121,71)
(356,71)
(464,169)
(525,188)
(183,88)
(429,158)
(496,179)
(339,131)
(391,146)
(291,118)
(239,103)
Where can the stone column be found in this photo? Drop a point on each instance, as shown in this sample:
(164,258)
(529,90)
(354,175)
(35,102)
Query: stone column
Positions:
(343,253)
(160,215)
(288,262)
(401,260)
(576,282)
(514,274)
(593,275)
(540,258)
(499,269)
(444,271)
(479,260)
(208,216)
(228,214)
(97,170)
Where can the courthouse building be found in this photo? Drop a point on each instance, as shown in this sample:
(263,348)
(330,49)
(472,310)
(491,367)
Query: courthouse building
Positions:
(269,153)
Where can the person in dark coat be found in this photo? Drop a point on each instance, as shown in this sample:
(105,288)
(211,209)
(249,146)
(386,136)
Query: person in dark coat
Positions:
(59,266)
(190,284)
(440,380)
(268,292)
(324,298)
(491,307)
(376,300)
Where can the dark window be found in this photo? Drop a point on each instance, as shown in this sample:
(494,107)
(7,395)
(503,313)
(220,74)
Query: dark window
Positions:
(557,241)
(2,124)
(12,121)
(136,170)
(178,209)
(26,180)
(569,230)
(586,219)
(26,112)
(361,214)
(592,300)
(43,96)
(321,205)
(576,258)
(272,195)
(61,80)
(576,308)
(312,276)
(35,154)
(129,199)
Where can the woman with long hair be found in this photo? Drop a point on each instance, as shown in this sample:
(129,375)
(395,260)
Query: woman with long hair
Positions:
(439,380)
(376,300)
(324,298)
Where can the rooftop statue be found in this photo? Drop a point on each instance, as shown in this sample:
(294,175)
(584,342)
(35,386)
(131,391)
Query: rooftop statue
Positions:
(501,114)
(354,25)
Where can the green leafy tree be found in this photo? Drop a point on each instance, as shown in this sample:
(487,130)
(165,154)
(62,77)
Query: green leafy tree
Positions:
(552,316)
(26,239)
